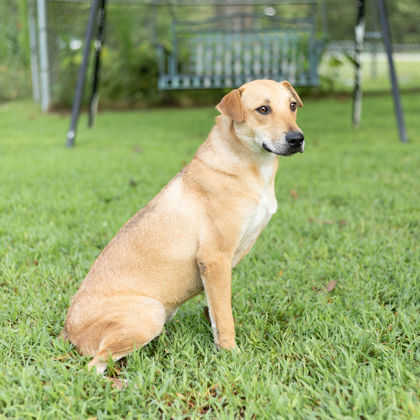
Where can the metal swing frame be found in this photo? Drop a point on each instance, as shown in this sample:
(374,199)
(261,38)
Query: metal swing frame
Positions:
(96,27)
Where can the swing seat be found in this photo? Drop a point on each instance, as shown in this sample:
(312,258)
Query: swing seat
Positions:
(227,51)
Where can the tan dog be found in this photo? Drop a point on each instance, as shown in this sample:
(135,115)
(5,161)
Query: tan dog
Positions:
(191,235)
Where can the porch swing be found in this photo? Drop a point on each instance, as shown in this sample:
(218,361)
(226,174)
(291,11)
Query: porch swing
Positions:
(228,50)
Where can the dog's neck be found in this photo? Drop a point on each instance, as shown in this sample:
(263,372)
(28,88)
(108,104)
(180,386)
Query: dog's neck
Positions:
(224,151)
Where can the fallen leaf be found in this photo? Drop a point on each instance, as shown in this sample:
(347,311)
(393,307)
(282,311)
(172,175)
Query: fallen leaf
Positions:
(294,194)
(109,199)
(331,286)
(280,273)
(62,357)
(342,222)
(118,384)
(132,183)
(137,149)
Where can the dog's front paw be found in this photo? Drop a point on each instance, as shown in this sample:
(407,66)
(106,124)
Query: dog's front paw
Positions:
(227,345)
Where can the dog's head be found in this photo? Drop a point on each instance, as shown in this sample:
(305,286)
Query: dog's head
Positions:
(264,116)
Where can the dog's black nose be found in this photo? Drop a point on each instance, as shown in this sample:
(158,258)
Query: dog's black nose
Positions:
(295,138)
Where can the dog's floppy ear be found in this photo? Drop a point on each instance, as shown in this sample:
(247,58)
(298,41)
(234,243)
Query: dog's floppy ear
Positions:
(231,105)
(295,96)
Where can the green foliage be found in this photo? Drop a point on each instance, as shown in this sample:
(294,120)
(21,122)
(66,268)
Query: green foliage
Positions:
(130,76)
(332,67)
(68,65)
(330,76)
(14,51)
(353,216)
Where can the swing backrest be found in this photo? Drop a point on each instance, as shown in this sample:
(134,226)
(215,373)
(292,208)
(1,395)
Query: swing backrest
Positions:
(230,50)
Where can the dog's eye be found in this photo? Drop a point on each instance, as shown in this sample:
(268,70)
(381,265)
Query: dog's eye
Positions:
(264,109)
(293,106)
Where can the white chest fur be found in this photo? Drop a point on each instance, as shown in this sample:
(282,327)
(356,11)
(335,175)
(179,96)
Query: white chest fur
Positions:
(258,218)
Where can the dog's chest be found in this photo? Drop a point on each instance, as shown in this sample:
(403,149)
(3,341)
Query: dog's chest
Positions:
(255,223)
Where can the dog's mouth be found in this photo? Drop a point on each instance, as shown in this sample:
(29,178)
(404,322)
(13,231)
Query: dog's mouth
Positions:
(288,152)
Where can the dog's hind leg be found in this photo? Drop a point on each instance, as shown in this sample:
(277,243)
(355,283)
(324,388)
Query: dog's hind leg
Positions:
(131,324)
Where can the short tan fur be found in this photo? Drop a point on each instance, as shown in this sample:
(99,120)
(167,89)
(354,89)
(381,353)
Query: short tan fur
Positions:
(190,236)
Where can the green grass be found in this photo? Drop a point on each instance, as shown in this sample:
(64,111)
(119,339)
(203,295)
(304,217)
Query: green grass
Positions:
(353,216)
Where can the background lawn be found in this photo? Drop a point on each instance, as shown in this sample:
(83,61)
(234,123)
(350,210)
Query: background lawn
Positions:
(349,210)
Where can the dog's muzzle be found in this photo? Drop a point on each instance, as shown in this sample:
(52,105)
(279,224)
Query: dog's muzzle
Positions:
(295,142)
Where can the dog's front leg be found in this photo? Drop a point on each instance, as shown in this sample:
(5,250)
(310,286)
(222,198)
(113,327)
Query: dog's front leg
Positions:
(216,274)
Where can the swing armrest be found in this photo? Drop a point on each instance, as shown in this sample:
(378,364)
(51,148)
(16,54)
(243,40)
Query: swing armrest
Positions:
(162,52)
(161,48)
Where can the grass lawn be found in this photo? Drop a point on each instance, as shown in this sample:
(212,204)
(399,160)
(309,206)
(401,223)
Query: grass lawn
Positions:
(349,210)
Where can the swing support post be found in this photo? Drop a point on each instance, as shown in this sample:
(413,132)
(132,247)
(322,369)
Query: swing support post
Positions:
(71,134)
(386,33)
